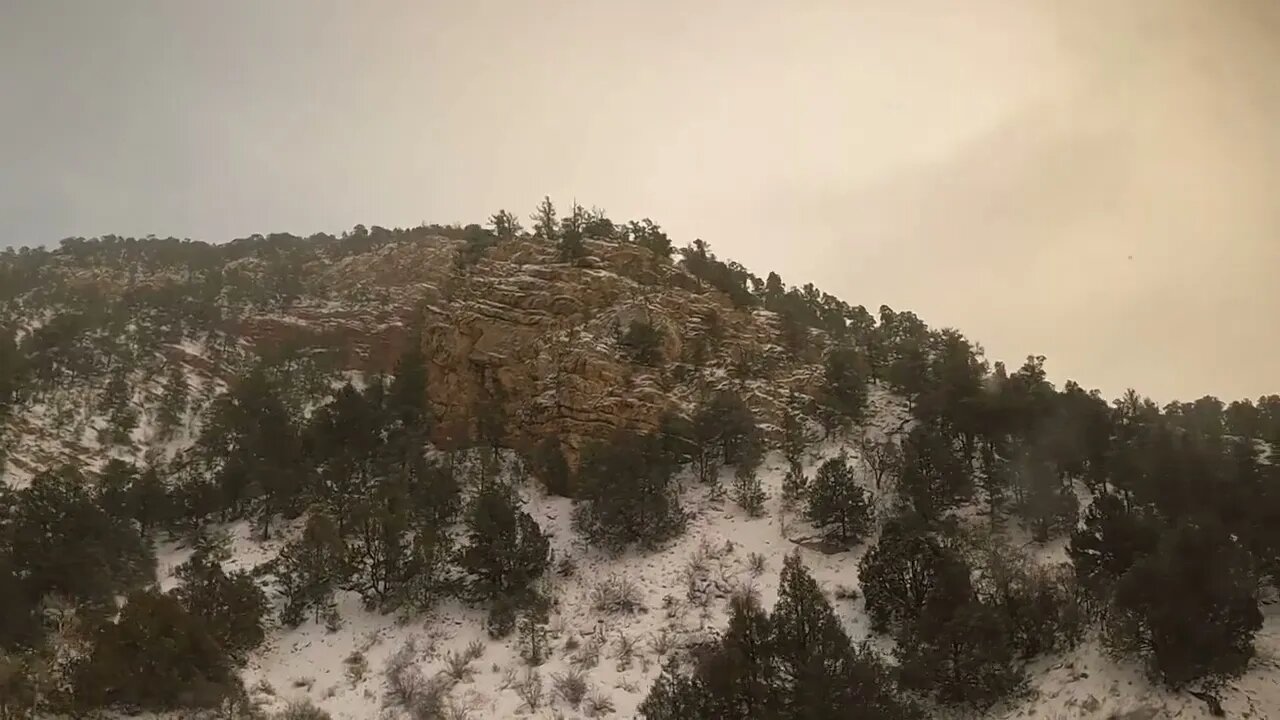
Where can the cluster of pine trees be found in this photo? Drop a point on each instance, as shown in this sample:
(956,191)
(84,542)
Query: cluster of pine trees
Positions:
(1180,523)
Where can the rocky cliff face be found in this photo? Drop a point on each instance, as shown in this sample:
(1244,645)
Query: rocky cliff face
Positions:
(542,335)
(512,325)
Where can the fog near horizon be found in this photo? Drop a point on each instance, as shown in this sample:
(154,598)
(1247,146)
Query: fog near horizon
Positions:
(1088,180)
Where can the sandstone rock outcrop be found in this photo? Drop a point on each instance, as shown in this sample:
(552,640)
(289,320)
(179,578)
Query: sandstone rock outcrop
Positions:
(542,335)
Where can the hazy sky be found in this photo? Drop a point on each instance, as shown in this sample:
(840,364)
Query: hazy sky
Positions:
(1094,180)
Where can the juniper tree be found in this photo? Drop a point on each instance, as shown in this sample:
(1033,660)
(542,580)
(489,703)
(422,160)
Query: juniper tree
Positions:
(627,494)
(156,656)
(506,550)
(845,375)
(1199,572)
(174,399)
(231,605)
(310,569)
(122,418)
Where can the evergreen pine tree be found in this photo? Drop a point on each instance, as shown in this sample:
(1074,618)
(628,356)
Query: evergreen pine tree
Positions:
(122,418)
(845,374)
(812,651)
(738,676)
(675,696)
(837,504)
(747,488)
(173,401)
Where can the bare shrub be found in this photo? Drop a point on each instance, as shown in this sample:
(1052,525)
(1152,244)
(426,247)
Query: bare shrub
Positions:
(458,666)
(570,687)
(626,651)
(530,689)
(846,592)
(588,656)
(616,595)
(662,643)
(756,563)
(454,711)
(301,710)
(597,705)
(357,666)
(409,691)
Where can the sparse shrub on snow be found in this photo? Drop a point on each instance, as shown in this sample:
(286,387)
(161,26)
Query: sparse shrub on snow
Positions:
(301,710)
(571,687)
(530,689)
(615,595)
(597,704)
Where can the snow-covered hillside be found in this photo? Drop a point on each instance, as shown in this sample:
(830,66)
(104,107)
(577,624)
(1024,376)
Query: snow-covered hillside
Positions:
(681,594)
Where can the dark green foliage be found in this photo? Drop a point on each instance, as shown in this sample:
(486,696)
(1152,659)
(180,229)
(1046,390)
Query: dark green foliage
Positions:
(845,375)
(407,397)
(1041,606)
(796,437)
(747,489)
(491,418)
(253,443)
(797,663)
(231,605)
(505,225)
(380,559)
(643,343)
(960,652)
(627,494)
(20,625)
(647,234)
(12,369)
(676,696)
(1109,541)
(63,542)
(738,678)
(729,278)
(309,570)
(1046,503)
(552,468)
(838,505)
(173,402)
(156,656)
(506,551)
(478,240)
(725,424)
(1190,608)
(572,231)
(345,441)
(122,418)
(902,571)
(933,477)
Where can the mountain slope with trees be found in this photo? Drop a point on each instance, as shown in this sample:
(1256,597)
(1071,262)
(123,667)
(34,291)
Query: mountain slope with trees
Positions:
(631,478)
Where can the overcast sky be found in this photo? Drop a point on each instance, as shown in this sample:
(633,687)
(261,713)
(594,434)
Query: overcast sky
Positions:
(1093,180)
